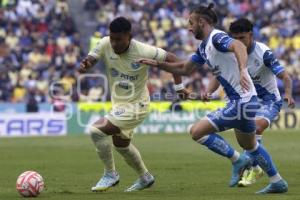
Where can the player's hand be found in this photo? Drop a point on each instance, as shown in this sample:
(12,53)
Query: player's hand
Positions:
(244,80)
(146,61)
(183,94)
(186,94)
(206,96)
(289,100)
(85,65)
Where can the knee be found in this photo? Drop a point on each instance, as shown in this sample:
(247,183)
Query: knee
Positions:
(195,135)
(259,130)
(249,145)
(96,133)
(120,142)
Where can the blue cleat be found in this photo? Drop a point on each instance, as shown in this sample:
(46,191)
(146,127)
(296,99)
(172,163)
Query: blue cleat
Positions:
(278,187)
(238,168)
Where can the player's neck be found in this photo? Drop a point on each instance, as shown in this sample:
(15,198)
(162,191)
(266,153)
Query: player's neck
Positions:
(207,31)
(126,50)
(251,47)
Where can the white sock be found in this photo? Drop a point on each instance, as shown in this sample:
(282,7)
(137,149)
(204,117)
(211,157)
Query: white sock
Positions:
(203,139)
(235,156)
(103,148)
(258,137)
(275,178)
(133,158)
(255,148)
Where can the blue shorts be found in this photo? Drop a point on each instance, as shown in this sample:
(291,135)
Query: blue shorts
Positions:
(269,110)
(235,115)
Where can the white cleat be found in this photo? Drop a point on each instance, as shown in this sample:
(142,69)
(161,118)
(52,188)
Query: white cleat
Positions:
(108,180)
(143,182)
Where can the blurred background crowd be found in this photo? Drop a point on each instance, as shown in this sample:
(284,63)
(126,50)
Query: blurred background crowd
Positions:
(43,41)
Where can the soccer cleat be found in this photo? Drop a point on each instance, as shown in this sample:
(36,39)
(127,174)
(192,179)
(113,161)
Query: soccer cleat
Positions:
(108,180)
(278,187)
(143,182)
(251,176)
(238,168)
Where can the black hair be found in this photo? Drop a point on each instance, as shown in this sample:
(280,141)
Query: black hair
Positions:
(207,12)
(120,25)
(241,25)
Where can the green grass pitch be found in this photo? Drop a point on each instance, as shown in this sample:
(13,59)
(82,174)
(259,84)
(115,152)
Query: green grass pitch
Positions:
(183,169)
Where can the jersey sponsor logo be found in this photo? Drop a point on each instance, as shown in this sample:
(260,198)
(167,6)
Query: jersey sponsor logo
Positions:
(255,79)
(128,77)
(135,65)
(114,72)
(257,63)
(124,85)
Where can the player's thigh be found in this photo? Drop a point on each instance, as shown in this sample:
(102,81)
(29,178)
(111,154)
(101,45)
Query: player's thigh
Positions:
(107,127)
(201,128)
(246,140)
(120,141)
(261,125)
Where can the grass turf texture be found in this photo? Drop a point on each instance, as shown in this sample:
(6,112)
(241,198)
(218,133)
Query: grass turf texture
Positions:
(183,169)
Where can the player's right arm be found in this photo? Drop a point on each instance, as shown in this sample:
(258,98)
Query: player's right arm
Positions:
(94,55)
(87,63)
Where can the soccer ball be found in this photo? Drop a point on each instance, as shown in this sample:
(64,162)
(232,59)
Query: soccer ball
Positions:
(30,184)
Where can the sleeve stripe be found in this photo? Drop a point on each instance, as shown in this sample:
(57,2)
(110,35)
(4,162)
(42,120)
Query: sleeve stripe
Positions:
(281,70)
(156,54)
(94,55)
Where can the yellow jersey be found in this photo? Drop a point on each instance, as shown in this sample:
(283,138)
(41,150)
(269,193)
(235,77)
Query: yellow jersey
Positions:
(127,79)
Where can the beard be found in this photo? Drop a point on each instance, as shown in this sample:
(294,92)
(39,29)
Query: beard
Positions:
(199,34)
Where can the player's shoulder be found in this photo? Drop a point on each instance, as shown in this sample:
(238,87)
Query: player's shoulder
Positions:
(139,44)
(217,34)
(142,48)
(104,40)
(261,47)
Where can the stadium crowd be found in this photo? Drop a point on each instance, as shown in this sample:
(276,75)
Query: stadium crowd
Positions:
(41,44)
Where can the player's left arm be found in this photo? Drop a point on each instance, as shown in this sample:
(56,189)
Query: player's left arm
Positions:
(224,43)
(285,77)
(273,64)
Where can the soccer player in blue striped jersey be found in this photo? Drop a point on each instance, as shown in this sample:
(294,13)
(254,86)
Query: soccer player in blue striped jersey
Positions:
(227,58)
(263,68)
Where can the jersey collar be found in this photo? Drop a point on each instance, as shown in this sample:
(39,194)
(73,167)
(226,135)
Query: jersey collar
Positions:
(252,47)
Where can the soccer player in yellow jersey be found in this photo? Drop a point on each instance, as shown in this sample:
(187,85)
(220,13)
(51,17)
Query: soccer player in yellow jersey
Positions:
(130,99)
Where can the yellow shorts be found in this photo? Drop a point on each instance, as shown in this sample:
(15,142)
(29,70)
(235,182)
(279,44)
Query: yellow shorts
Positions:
(127,118)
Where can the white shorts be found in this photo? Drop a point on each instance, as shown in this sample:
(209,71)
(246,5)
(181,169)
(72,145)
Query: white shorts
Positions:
(127,118)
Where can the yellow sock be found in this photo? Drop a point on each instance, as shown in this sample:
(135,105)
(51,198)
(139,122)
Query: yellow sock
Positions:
(133,158)
(103,148)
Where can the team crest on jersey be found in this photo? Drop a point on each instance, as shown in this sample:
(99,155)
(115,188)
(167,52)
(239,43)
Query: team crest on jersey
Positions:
(135,65)
(216,70)
(114,72)
(257,64)
(119,111)
(255,79)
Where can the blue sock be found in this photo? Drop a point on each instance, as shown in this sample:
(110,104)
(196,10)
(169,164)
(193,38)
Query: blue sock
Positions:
(254,163)
(264,160)
(218,145)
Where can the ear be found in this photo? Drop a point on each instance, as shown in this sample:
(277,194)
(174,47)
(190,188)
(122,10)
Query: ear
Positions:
(251,34)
